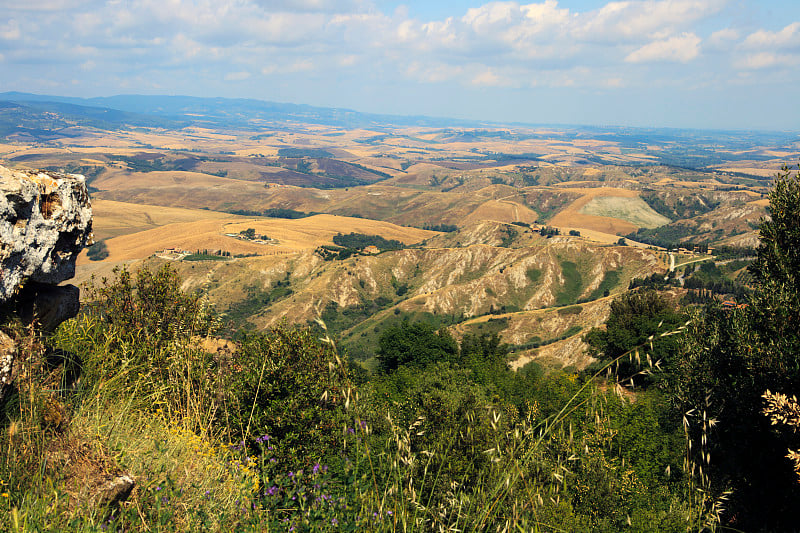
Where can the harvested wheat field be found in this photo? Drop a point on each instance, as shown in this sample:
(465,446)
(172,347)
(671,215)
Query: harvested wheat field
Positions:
(633,210)
(607,210)
(288,236)
(112,219)
(502,211)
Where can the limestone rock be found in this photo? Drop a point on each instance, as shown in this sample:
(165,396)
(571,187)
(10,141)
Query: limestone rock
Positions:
(8,349)
(114,491)
(45,221)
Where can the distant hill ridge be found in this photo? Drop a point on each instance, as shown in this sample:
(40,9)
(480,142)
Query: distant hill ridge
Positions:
(231,111)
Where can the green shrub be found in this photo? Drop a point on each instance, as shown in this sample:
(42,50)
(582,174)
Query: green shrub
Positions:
(98,251)
(292,387)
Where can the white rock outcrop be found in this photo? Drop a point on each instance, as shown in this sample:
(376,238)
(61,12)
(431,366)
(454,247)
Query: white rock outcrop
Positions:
(45,221)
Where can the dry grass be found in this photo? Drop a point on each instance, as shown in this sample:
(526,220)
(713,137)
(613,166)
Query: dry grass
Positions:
(502,211)
(574,216)
(112,219)
(633,210)
(291,235)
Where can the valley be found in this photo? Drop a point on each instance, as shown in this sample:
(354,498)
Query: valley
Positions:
(524,232)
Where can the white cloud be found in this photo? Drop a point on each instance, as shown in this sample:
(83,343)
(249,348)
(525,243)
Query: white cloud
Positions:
(787,38)
(489,79)
(324,6)
(237,76)
(643,20)
(613,83)
(766,60)
(303,65)
(44,5)
(433,73)
(10,31)
(348,60)
(681,48)
(723,36)
(525,43)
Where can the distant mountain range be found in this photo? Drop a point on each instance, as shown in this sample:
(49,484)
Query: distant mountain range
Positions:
(44,117)
(219,111)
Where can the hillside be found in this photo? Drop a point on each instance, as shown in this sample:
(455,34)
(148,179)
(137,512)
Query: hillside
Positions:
(197,183)
(364,294)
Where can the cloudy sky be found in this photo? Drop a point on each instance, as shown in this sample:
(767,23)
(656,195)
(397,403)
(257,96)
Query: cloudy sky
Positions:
(731,64)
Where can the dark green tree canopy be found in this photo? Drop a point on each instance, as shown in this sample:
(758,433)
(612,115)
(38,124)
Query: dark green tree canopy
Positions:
(634,318)
(731,357)
(414,344)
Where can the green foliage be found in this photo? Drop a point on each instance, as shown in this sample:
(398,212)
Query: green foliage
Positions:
(280,212)
(98,251)
(508,238)
(359,241)
(731,357)
(610,282)
(148,309)
(547,231)
(291,387)
(636,319)
(534,274)
(447,437)
(572,286)
(445,228)
(681,208)
(257,299)
(137,332)
(414,344)
(205,257)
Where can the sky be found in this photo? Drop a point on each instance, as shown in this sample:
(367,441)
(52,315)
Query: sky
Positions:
(709,64)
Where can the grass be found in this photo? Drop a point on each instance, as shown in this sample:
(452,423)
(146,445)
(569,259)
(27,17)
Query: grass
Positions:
(633,210)
(609,283)
(572,287)
(206,257)
(534,274)
(185,425)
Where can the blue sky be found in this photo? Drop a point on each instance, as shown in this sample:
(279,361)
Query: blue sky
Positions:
(729,64)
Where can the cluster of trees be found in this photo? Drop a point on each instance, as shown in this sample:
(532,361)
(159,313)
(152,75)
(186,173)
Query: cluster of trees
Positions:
(730,358)
(444,228)
(717,371)
(547,231)
(250,234)
(359,241)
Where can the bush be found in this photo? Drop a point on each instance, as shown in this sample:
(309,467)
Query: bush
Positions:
(98,251)
(293,388)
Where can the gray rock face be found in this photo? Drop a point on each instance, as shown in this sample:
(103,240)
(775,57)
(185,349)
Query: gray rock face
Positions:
(45,221)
